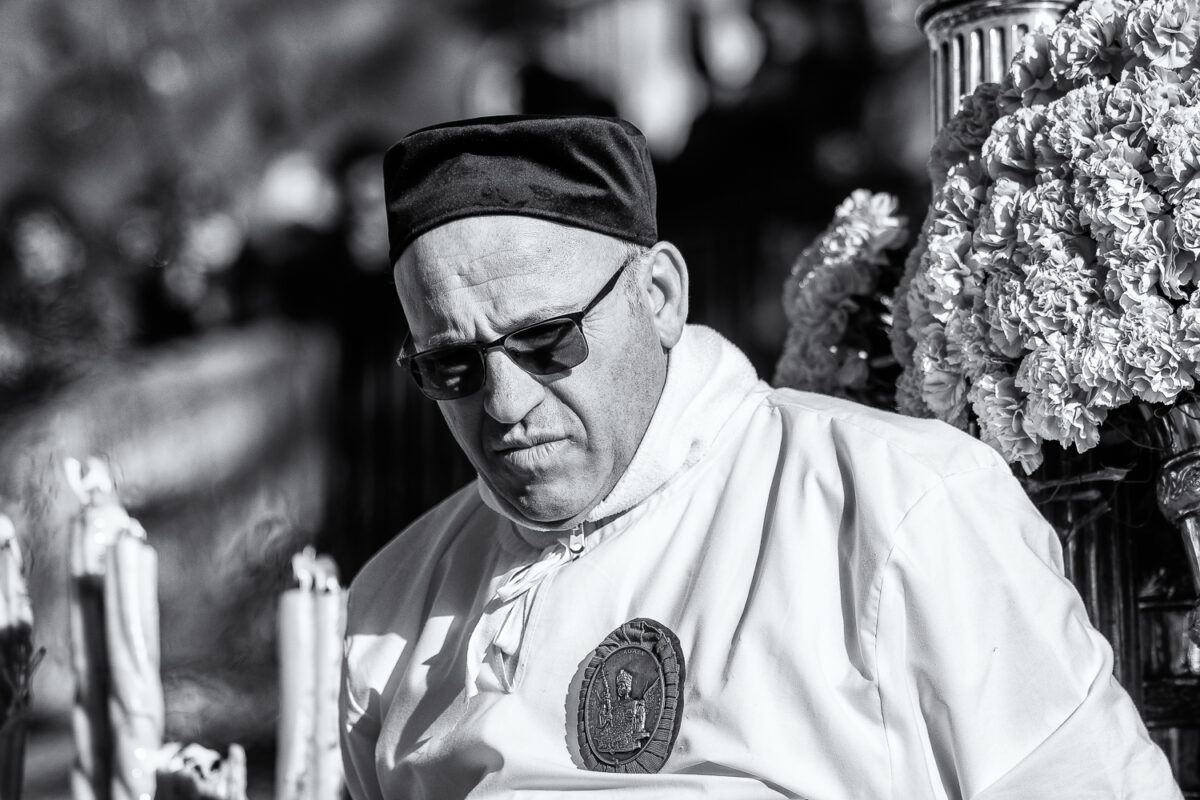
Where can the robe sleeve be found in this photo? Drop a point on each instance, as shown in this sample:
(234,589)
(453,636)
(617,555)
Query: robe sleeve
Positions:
(993,684)
(358,729)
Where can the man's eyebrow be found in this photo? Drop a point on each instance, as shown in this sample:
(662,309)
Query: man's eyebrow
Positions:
(523,321)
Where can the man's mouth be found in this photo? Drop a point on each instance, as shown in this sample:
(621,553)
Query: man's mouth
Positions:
(510,443)
(528,454)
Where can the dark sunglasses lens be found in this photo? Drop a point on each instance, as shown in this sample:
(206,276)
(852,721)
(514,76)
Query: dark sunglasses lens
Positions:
(448,374)
(548,348)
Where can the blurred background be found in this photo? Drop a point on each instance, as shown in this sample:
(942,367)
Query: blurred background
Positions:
(194,282)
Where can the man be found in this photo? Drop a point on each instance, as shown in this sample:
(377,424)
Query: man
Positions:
(670,580)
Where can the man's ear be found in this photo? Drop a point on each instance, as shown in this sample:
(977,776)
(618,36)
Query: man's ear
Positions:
(666,288)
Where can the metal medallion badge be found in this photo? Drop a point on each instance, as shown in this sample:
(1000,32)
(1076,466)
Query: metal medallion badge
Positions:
(630,703)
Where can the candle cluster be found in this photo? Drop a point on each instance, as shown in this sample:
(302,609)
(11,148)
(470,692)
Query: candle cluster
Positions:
(312,620)
(119,713)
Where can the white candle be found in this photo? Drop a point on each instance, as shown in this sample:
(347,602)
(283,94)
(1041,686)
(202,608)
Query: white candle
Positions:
(89,535)
(311,627)
(16,647)
(233,774)
(327,753)
(15,610)
(297,689)
(136,697)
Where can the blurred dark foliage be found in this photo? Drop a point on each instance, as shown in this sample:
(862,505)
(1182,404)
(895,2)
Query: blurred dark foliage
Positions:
(59,315)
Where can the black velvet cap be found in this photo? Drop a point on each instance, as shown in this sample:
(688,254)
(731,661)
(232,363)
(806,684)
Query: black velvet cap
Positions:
(588,172)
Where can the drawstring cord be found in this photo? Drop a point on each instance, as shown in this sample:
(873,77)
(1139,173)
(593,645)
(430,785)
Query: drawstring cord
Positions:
(514,598)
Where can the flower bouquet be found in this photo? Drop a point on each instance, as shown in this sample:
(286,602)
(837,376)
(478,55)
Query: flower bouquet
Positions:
(834,282)
(1055,277)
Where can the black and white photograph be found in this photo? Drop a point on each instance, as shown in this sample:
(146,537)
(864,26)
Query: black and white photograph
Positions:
(630,399)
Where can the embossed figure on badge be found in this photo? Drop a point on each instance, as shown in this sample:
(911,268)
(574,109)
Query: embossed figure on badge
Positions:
(630,707)
(622,724)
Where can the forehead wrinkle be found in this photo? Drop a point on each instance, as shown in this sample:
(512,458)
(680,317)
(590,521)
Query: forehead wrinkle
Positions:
(526,263)
(456,250)
(497,313)
(443,271)
(487,284)
(475,278)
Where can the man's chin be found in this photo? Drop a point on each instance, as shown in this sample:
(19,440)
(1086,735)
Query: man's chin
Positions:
(547,511)
(541,503)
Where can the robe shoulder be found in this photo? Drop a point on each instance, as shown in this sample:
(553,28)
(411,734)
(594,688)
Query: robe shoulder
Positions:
(930,446)
(405,563)
(879,464)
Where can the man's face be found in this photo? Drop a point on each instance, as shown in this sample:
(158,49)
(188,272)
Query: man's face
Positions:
(553,446)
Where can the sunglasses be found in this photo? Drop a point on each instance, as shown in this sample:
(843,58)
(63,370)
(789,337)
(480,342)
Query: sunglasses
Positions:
(544,348)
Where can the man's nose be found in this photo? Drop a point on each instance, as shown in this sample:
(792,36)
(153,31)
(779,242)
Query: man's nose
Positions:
(509,392)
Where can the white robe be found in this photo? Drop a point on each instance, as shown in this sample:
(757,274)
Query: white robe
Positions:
(867,606)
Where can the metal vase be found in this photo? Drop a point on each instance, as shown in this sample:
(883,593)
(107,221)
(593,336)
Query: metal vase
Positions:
(1095,550)
(1177,430)
(972,42)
